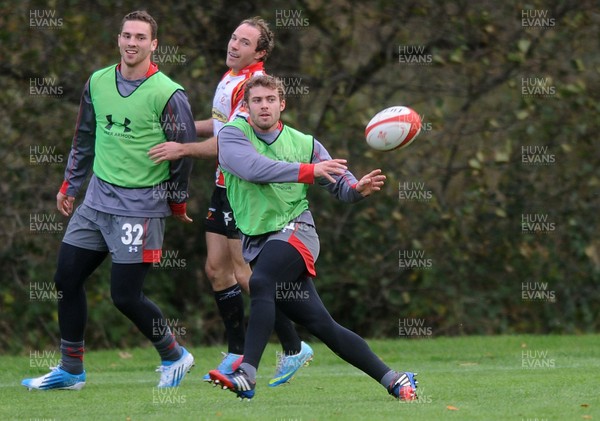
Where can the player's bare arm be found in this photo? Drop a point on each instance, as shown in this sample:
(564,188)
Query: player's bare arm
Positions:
(172,151)
(204,128)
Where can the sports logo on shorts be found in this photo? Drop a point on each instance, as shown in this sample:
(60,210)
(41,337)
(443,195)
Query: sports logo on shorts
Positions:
(209,215)
(227,218)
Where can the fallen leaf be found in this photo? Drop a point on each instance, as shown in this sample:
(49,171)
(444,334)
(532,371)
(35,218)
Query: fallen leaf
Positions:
(125,355)
(451,408)
(585,405)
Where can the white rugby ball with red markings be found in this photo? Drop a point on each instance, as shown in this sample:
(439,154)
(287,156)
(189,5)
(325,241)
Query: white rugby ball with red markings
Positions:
(393,128)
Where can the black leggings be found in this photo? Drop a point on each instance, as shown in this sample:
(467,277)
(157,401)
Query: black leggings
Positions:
(279,276)
(75,265)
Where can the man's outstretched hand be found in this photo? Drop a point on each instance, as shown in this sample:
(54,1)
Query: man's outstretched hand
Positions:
(370,183)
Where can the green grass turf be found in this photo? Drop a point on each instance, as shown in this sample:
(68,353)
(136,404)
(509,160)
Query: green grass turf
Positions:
(467,378)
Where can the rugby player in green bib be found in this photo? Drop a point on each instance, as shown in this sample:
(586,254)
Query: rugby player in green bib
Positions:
(125,110)
(268,167)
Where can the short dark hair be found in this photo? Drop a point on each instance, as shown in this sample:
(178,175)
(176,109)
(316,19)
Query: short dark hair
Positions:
(265,81)
(143,16)
(266,39)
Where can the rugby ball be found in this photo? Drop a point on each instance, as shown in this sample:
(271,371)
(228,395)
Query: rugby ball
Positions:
(393,128)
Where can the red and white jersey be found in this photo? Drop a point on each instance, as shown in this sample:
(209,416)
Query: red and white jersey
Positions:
(227,102)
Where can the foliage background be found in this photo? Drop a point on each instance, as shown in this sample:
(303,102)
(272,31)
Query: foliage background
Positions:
(349,59)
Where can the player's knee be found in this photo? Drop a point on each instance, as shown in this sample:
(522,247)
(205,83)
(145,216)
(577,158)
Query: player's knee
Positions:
(214,272)
(242,276)
(211,271)
(219,279)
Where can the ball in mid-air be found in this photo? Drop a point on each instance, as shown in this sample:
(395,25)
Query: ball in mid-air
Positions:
(393,128)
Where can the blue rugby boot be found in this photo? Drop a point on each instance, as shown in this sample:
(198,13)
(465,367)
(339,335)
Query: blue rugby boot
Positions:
(57,379)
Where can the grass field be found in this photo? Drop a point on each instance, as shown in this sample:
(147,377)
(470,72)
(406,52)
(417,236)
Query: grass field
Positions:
(469,378)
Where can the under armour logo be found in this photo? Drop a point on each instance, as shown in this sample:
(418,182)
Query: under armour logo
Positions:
(125,124)
(132,249)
